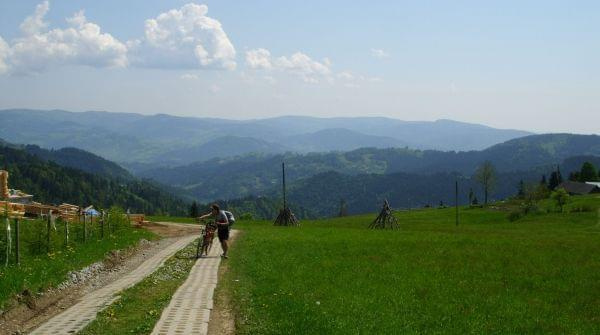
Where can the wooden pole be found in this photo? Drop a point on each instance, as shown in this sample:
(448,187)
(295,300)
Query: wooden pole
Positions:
(102,225)
(283,173)
(84,229)
(66,232)
(456,201)
(17,243)
(48,229)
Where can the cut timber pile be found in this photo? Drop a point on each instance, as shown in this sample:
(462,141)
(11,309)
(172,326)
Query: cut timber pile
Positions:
(286,218)
(4,185)
(385,219)
(68,212)
(14,210)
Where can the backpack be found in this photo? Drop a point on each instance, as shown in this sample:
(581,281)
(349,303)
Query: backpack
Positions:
(230,217)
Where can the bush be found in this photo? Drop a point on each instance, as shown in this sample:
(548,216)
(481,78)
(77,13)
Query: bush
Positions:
(246,217)
(515,215)
(582,208)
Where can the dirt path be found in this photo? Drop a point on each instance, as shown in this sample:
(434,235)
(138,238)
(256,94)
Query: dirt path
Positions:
(84,311)
(34,311)
(222,320)
(190,308)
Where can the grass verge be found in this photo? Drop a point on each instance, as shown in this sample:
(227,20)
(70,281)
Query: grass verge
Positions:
(176,219)
(488,275)
(140,306)
(42,267)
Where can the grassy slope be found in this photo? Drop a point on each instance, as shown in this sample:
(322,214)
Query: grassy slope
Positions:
(536,275)
(40,269)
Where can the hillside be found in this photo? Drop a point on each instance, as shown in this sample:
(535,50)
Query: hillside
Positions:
(165,140)
(486,275)
(259,174)
(54,184)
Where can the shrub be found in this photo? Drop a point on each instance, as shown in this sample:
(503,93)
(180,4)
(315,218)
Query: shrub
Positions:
(246,217)
(514,215)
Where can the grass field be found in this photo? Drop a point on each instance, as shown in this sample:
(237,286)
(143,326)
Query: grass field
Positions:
(42,267)
(539,274)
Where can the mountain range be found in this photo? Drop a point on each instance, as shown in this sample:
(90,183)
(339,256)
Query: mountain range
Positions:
(145,141)
(259,174)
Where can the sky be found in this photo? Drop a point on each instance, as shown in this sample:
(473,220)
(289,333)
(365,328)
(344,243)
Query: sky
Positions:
(530,65)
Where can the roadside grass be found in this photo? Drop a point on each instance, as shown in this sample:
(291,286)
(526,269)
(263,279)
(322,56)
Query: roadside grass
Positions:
(488,275)
(42,267)
(139,307)
(176,219)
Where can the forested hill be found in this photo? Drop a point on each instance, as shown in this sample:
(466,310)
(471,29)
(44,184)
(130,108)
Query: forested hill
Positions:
(258,174)
(54,184)
(75,158)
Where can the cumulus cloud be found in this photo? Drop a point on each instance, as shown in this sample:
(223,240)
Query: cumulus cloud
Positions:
(184,38)
(259,59)
(379,53)
(81,43)
(298,64)
(189,76)
(4,53)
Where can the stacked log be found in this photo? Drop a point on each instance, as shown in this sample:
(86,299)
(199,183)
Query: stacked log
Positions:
(4,185)
(385,219)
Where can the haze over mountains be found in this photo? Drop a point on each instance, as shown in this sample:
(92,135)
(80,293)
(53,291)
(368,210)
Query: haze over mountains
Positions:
(137,140)
(359,160)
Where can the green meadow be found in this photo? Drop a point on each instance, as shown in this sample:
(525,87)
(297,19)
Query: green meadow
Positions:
(538,274)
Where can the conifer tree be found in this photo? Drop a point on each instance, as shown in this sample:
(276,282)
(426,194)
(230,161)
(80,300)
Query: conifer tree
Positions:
(194,210)
(588,172)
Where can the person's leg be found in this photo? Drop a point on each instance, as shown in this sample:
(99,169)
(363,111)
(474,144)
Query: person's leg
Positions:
(223,237)
(225,247)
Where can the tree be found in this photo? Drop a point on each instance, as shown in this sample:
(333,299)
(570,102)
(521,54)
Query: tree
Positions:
(574,176)
(343,208)
(543,181)
(486,176)
(553,183)
(194,210)
(471,196)
(561,197)
(521,193)
(588,172)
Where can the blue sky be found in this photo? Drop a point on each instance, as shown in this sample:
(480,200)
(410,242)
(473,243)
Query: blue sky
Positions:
(530,65)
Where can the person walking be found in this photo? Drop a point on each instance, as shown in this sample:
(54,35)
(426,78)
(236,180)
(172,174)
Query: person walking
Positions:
(223,222)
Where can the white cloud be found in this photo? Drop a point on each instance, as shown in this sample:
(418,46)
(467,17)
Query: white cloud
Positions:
(4,53)
(345,75)
(184,38)
(189,76)
(259,59)
(214,88)
(298,64)
(34,24)
(379,53)
(81,43)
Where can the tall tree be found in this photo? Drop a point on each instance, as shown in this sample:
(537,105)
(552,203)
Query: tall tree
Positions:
(588,172)
(560,177)
(554,182)
(486,176)
(194,210)
(543,181)
(521,193)
(343,208)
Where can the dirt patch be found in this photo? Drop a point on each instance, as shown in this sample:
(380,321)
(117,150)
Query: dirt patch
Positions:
(31,310)
(168,229)
(222,320)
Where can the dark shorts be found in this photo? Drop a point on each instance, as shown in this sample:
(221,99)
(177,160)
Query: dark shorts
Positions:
(223,234)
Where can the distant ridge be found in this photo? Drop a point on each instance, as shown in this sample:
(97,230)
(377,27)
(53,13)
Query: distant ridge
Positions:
(166,140)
